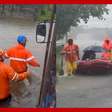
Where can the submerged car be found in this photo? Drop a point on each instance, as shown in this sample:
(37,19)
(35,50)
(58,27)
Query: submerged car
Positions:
(92,62)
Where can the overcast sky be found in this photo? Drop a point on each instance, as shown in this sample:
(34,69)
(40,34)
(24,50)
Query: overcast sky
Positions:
(94,22)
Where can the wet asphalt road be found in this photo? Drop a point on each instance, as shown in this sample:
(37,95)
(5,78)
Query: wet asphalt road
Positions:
(85,91)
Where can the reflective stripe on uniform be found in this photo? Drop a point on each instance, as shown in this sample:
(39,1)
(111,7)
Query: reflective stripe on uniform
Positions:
(20,59)
(6,55)
(15,77)
(30,58)
(17,59)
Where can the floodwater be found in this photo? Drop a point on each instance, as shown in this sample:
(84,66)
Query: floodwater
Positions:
(10,28)
(76,91)
(82,90)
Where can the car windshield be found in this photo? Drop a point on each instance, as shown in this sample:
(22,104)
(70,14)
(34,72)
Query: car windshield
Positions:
(94,48)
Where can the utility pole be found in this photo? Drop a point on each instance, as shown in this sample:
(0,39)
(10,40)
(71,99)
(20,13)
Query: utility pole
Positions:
(47,96)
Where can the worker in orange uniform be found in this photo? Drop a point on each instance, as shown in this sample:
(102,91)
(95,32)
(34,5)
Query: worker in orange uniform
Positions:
(107,46)
(20,57)
(71,55)
(6,74)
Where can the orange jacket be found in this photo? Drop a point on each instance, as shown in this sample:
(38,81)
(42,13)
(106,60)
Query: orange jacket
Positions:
(71,52)
(6,74)
(106,45)
(19,58)
(106,55)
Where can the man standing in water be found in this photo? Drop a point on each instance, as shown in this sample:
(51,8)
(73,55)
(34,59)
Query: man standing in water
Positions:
(71,55)
(20,57)
(107,47)
(7,74)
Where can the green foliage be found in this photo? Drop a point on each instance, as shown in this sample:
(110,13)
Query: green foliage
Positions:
(71,15)
(44,14)
(38,12)
(66,15)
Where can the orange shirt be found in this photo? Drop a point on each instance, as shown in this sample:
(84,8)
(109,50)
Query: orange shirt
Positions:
(71,52)
(19,58)
(106,55)
(106,46)
(6,74)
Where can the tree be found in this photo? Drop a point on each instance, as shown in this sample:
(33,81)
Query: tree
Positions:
(37,12)
(71,15)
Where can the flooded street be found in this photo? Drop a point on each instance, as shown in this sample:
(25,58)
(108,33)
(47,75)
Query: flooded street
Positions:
(77,91)
(85,90)
(10,28)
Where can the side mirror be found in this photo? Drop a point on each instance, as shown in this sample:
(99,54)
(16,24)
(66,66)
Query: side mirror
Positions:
(41,33)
